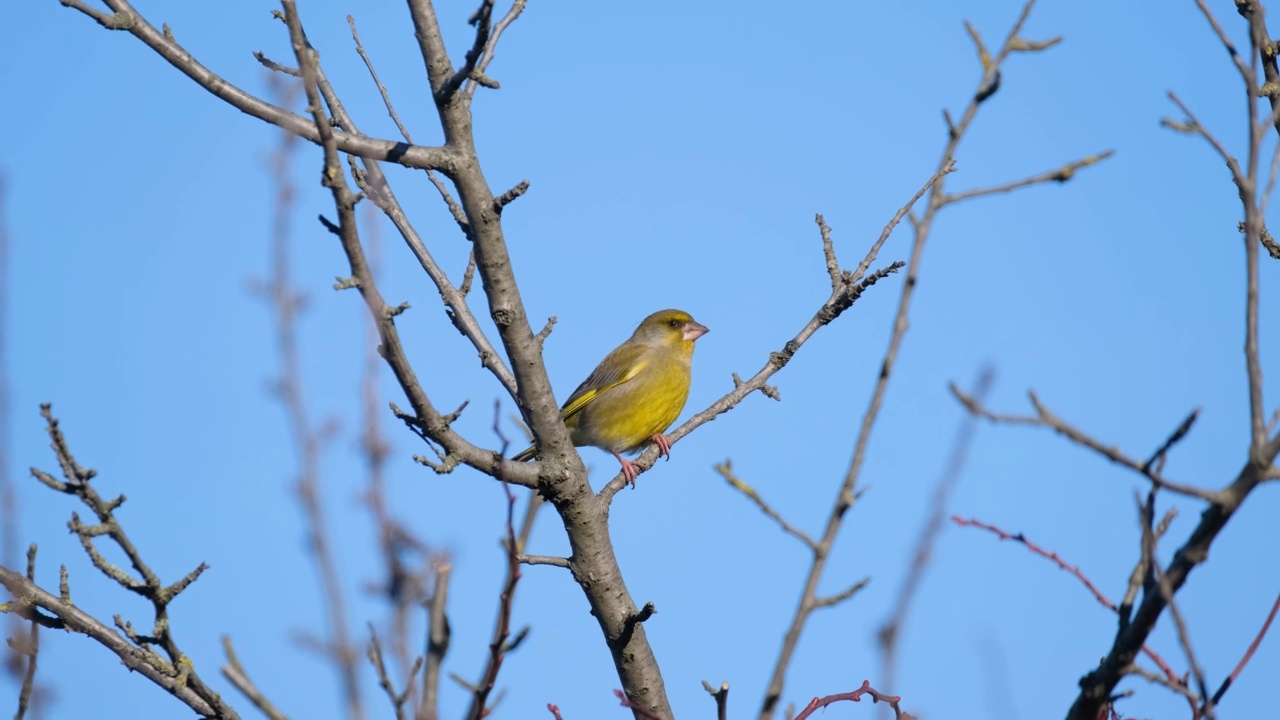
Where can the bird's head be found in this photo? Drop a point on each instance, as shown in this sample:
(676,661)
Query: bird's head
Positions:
(672,328)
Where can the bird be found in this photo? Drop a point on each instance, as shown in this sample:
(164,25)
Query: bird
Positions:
(636,392)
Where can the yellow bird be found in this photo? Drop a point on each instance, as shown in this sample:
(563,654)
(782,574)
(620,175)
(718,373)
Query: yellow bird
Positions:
(636,392)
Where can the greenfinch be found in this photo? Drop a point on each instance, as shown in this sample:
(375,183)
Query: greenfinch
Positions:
(636,392)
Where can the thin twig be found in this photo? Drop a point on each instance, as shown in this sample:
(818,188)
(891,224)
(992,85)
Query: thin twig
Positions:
(478,77)
(721,696)
(235,674)
(553,560)
(1062,565)
(1059,175)
(309,440)
(502,629)
(398,700)
(893,701)
(125,17)
(928,538)
(726,471)
(1184,640)
(1253,647)
(1046,418)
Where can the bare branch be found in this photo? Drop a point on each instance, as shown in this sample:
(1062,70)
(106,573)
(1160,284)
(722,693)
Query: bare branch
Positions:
(1059,175)
(827,601)
(1045,418)
(891,629)
(398,699)
(1184,639)
(856,696)
(26,594)
(502,628)
(921,225)
(235,674)
(309,439)
(1062,565)
(553,560)
(438,637)
(382,89)
(726,471)
(127,19)
(721,696)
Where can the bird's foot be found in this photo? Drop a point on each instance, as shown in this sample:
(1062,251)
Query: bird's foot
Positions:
(664,445)
(629,471)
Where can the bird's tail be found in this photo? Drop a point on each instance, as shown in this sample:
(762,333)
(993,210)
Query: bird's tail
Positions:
(525,455)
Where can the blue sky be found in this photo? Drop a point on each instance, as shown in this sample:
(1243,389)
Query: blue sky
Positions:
(677,153)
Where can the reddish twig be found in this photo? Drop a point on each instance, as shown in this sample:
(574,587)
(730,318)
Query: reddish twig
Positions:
(1074,570)
(1253,646)
(856,696)
(498,647)
(554,710)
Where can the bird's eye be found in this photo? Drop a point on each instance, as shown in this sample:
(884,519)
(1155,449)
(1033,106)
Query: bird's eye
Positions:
(673,323)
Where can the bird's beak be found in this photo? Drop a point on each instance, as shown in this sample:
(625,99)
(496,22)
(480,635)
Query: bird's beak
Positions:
(694,330)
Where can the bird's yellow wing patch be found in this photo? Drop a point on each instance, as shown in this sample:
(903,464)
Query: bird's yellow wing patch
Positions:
(618,367)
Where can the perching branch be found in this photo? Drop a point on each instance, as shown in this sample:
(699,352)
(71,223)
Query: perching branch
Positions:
(846,495)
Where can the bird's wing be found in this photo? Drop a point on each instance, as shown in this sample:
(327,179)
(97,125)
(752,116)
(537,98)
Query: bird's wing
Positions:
(619,366)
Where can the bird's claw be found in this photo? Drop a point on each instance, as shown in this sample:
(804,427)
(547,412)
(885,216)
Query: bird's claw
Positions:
(629,471)
(664,445)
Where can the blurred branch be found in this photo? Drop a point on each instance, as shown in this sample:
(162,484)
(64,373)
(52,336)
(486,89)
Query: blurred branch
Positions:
(1184,640)
(404,584)
(28,650)
(309,441)
(21,659)
(438,638)
(891,630)
(398,700)
(235,674)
